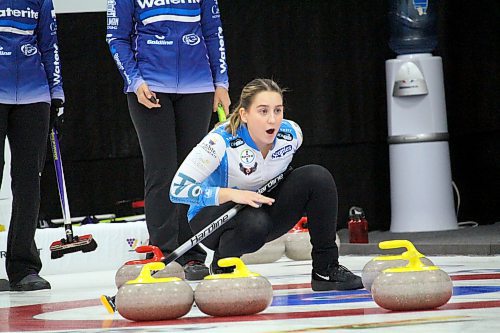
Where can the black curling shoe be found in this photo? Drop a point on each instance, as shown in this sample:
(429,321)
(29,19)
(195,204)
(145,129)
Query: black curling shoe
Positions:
(31,282)
(195,270)
(336,277)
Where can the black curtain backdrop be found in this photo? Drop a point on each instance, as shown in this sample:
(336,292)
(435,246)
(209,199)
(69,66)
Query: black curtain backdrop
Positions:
(331,56)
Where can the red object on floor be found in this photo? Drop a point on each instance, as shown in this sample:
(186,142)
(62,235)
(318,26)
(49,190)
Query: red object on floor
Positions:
(300,226)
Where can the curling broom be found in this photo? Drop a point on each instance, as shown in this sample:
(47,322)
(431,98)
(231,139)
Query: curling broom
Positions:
(71,243)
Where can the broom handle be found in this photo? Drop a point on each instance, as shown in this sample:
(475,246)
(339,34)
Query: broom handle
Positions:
(209,229)
(221,220)
(109,302)
(63,197)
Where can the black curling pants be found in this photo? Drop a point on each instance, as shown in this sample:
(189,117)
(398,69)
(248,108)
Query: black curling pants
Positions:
(166,136)
(309,189)
(27,127)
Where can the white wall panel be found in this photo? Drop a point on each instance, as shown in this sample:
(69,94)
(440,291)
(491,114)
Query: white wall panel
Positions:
(79,6)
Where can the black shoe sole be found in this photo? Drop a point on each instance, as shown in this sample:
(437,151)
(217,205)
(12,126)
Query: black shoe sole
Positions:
(221,270)
(4,285)
(195,276)
(30,286)
(330,285)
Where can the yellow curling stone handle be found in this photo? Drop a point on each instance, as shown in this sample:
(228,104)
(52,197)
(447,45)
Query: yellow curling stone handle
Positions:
(145,275)
(395,244)
(412,255)
(241,270)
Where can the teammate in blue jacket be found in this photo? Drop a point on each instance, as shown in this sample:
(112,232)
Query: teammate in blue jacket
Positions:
(30,95)
(238,157)
(172,57)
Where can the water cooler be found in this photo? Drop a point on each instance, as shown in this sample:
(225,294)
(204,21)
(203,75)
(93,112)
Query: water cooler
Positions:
(420,171)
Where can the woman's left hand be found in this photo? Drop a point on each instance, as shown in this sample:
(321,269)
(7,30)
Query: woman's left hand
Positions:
(221,96)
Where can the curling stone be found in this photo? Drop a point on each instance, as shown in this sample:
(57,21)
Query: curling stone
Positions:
(298,241)
(131,269)
(235,294)
(412,287)
(147,298)
(375,266)
(269,252)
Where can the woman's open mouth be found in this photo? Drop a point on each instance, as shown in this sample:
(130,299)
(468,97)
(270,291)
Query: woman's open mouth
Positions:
(270,131)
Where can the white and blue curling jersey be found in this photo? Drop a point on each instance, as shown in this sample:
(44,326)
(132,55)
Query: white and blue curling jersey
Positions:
(222,160)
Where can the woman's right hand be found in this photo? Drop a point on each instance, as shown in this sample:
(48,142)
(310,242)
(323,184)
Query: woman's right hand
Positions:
(244,197)
(146,97)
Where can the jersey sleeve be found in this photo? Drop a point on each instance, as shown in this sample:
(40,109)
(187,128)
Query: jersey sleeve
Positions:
(120,25)
(214,39)
(49,49)
(188,186)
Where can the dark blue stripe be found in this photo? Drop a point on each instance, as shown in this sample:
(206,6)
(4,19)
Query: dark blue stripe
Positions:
(335,297)
(167,11)
(18,25)
(322,298)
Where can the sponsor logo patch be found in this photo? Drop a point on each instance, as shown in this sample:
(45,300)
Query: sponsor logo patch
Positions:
(222,49)
(284,136)
(29,50)
(4,53)
(247,156)
(191,39)
(236,143)
(282,151)
(28,12)
(112,20)
(209,149)
(53,28)
(57,69)
(248,170)
(160,40)
(215,11)
(134,243)
(152,3)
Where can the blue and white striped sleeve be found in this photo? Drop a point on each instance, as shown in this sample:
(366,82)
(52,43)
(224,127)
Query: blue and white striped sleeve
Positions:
(188,185)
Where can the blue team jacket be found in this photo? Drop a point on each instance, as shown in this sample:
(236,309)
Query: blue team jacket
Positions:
(175,46)
(30,69)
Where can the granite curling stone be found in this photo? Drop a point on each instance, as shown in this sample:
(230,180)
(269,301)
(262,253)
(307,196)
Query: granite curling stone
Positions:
(375,266)
(235,294)
(131,269)
(298,242)
(269,252)
(147,298)
(413,287)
